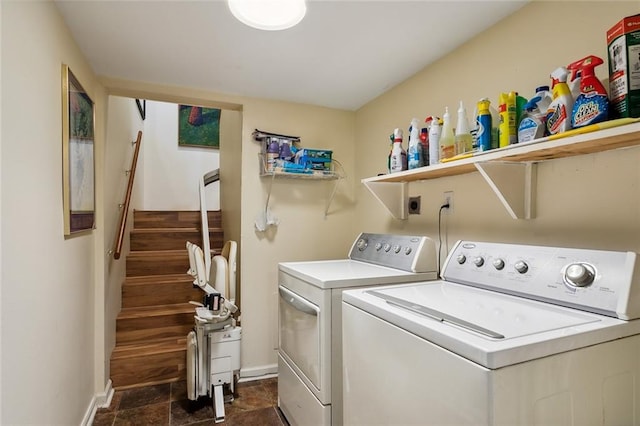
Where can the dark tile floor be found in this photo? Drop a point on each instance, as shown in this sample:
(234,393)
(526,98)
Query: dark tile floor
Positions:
(167,404)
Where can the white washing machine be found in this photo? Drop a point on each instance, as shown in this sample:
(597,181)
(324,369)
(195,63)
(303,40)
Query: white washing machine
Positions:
(512,335)
(310,318)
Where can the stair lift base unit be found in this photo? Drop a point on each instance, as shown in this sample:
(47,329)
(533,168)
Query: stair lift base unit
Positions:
(213,347)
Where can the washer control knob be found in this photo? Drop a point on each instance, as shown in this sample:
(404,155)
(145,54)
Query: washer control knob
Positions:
(407,251)
(461,258)
(362,244)
(386,247)
(378,246)
(396,248)
(498,264)
(478,261)
(579,274)
(521,266)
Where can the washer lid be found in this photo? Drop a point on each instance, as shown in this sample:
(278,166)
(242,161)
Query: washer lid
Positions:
(349,273)
(492,329)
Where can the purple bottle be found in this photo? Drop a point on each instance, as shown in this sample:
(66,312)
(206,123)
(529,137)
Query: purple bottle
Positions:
(273,152)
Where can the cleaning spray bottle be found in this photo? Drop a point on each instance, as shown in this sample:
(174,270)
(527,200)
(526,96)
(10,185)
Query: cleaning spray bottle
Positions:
(495,123)
(592,104)
(575,78)
(424,141)
(484,125)
(434,141)
(447,138)
(463,138)
(507,127)
(398,154)
(414,152)
(559,112)
(532,125)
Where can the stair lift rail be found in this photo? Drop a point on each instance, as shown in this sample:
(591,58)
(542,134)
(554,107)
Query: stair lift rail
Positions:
(207,178)
(213,347)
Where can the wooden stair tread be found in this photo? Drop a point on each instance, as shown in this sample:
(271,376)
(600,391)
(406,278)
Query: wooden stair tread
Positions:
(157,279)
(165,253)
(158,310)
(162,230)
(157,346)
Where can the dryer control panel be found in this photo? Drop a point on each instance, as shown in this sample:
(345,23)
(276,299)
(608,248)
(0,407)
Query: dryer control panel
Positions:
(604,282)
(405,252)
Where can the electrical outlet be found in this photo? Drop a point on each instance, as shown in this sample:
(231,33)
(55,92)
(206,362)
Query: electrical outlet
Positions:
(447,198)
(414,205)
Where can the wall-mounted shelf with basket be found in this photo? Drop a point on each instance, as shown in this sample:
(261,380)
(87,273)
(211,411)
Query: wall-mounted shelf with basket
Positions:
(509,171)
(309,164)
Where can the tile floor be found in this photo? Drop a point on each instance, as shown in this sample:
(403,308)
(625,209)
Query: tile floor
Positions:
(167,404)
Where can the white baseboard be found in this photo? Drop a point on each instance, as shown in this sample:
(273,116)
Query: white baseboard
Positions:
(100,400)
(255,373)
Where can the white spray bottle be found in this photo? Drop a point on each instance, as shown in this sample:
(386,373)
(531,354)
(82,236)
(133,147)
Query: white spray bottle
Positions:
(414,153)
(447,138)
(434,141)
(463,138)
(398,154)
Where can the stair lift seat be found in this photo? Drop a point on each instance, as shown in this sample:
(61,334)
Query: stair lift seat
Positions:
(213,347)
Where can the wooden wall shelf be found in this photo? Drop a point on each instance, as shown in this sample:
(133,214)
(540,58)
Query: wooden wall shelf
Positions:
(510,171)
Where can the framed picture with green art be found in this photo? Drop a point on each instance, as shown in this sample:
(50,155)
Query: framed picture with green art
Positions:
(78,190)
(198,126)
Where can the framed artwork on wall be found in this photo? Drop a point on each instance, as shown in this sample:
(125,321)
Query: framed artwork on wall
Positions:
(198,126)
(78,190)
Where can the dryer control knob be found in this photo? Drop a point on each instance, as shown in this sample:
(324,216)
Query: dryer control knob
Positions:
(378,246)
(498,264)
(579,274)
(521,266)
(478,261)
(362,244)
(396,248)
(461,258)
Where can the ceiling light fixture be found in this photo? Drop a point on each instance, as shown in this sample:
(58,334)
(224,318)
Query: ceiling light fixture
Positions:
(270,15)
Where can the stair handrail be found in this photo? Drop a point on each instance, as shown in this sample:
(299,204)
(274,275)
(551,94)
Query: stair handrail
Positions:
(207,178)
(117,250)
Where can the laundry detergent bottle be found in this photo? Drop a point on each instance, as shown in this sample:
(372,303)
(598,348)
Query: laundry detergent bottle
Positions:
(592,104)
(532,125)
(559,111)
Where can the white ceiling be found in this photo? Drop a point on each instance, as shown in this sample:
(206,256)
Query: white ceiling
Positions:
(343,54)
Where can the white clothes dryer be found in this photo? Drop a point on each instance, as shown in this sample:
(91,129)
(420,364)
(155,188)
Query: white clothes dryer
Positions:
(310,318)
(512,335)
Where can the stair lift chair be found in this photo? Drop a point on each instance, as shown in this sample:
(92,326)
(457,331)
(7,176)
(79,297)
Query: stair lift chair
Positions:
(213,347)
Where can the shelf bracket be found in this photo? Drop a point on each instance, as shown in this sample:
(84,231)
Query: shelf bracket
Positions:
(513,183)
(393,195)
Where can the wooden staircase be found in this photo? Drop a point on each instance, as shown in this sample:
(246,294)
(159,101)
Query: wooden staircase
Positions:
(156,317)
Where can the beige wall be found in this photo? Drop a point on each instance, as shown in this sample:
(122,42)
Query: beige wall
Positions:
(123,124)
(587,201)
(304,233)
(169,168)
(49,283)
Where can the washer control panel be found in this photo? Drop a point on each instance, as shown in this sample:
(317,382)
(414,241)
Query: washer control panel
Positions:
(406,252)
(593,280)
